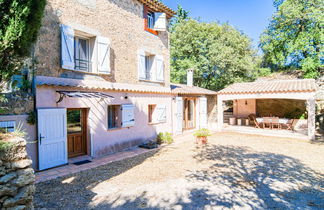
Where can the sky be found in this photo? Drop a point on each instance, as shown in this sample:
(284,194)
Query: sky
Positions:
(249,16)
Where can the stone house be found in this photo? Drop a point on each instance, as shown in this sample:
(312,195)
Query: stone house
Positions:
(102,82)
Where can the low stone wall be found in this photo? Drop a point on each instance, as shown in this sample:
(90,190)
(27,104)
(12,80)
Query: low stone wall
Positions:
(16,176)
(17,103)
(280,107)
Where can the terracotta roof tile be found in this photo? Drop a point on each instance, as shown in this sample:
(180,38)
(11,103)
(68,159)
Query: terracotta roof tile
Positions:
(96,84)
(275,86)
(185,89)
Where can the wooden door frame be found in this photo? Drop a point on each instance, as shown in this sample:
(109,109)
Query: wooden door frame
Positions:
(186,100)
(84,124)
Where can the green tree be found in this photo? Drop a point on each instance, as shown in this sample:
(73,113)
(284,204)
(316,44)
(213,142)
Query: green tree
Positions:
(20,23)
(219,54)
(295,36)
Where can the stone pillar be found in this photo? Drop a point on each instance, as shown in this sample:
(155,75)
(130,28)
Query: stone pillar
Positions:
(311,118)
(220,113)
(16,175)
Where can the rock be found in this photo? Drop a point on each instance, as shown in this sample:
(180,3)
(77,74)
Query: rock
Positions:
(6,178)
(21,164)
(2,170)
(25,177)
(1,162)
(7,190)
(24,196)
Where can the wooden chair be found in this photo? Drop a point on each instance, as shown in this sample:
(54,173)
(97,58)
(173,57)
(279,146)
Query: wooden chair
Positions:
(267,122)
(252,117)
(291,124)
(275,122)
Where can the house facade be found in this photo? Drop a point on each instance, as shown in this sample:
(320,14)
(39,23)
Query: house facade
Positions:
(102,81)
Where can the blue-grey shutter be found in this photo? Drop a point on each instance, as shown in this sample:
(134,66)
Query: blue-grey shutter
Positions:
(128,118)
(67,47)
(179,115)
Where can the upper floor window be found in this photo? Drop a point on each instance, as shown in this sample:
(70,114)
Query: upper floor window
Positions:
(150,20)
(81,54)
(154,21)
(81,51)
(150,67)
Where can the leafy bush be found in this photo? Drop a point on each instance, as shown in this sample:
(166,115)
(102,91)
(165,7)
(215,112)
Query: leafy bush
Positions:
(164,138)
(263,72)
(202,132)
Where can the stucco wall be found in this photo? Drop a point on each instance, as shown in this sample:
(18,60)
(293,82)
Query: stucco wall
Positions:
(104,141)
(212,112)
(30,137)
(244,107)
(120,21)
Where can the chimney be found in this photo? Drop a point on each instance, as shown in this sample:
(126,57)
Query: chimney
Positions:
(190,77)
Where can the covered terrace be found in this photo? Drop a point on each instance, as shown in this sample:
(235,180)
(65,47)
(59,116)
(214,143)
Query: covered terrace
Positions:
(286,100)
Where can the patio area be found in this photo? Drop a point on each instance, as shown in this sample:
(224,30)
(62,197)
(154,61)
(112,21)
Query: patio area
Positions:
(233,171)
(296,134)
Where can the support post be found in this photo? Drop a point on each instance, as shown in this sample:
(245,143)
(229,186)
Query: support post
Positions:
(220,113)
(311,118)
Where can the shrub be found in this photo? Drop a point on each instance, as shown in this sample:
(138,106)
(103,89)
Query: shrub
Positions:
(202,132)
(165,137)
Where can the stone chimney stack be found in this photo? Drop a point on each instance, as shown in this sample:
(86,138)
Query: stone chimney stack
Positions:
(190,77)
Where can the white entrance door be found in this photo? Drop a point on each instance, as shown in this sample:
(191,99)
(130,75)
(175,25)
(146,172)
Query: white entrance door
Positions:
(203,112)
(179,115)
(52,138)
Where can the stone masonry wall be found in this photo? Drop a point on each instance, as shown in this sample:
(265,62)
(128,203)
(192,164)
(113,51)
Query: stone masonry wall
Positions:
(17,103)
(280,107)
(121,21)
(16,177)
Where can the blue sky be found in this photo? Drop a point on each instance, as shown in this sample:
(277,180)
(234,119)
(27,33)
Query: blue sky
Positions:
(249,16)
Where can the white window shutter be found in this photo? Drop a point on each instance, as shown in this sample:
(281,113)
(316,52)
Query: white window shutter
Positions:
(203,112)
(103,55)
(160,23)
(141,66)
(67,47)
(161,113)
(159,68)
(179,115)
(128,119)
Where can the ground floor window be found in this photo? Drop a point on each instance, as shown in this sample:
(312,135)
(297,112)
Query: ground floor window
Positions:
(151,109)
(7,126)
(114,116)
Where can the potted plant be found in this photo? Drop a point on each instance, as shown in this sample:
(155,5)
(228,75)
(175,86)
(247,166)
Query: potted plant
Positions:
(201,135)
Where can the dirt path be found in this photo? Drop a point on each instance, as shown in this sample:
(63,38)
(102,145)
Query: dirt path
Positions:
(232,171)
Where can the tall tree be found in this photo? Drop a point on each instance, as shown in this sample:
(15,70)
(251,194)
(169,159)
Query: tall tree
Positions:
(295,36)
(219,54)
(20,22)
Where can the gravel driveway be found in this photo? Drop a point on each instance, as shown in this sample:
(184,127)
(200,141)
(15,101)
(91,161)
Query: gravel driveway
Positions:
(232,171)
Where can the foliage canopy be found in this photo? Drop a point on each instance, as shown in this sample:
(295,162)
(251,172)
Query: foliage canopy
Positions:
(295,36)
(219,54)
(20,22)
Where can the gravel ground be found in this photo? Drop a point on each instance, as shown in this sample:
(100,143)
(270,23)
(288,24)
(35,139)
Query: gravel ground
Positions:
(233,171)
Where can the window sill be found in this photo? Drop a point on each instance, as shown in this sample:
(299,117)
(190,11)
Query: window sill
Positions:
(156,123)
(115,129)
(87,72)
(152,81)
(151,31)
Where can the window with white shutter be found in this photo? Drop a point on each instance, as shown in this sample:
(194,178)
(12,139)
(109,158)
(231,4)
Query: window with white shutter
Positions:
(160,21)
(103,55)
(161,113)
(7,126)
(159,68)
(67,47)
(128,118)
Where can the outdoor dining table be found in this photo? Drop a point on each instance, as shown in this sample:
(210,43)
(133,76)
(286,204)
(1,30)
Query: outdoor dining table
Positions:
(281,120)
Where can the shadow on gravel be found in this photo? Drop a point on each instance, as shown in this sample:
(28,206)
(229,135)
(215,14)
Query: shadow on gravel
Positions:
(237,177)
(74,191)
(258,180)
